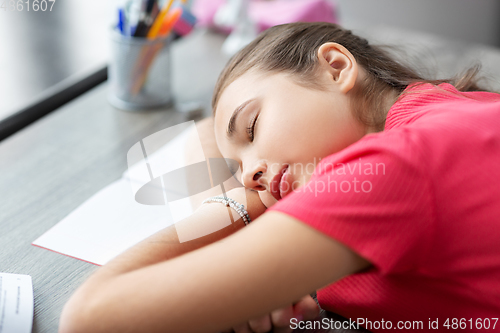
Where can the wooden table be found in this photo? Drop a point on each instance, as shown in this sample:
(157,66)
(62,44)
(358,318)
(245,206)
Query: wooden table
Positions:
(49,168)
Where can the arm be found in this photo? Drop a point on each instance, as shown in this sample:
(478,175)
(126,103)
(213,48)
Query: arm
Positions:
(269,264)
(165,244)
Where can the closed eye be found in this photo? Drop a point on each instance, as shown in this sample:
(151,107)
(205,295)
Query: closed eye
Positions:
(251,128)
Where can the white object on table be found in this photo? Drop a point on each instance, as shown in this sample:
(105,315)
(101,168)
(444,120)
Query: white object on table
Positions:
(112,221)
(16,303)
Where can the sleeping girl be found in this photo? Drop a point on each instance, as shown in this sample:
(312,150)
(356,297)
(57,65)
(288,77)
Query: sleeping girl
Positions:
(397,220)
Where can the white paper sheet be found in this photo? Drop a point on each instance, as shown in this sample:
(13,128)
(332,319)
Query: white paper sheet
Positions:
(111,221)
(105,225)
(16,303)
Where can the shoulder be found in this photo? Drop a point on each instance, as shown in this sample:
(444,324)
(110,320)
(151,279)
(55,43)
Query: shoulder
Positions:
(422,104)
(399,147)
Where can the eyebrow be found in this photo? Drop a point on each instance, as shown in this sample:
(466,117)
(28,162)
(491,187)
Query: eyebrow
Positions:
(234,116)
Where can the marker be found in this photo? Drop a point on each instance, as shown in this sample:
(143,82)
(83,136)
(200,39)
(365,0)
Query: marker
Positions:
(155,28)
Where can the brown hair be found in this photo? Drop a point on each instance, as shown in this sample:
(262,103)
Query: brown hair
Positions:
(292,49)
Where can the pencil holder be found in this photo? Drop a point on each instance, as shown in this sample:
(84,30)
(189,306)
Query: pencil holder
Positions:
(139,72)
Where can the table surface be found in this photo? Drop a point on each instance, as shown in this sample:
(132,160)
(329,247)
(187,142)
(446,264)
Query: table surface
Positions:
(52,166)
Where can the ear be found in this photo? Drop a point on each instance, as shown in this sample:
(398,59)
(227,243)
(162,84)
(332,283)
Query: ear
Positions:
(339,64)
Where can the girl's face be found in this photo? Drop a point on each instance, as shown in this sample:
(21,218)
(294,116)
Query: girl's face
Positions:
(278,131)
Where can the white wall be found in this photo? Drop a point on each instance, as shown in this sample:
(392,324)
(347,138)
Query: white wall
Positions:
(476,21)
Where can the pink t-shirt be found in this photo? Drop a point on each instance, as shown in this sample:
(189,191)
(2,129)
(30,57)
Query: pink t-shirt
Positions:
(421,202)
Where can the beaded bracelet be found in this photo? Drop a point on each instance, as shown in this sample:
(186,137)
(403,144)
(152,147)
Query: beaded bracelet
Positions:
(228,202)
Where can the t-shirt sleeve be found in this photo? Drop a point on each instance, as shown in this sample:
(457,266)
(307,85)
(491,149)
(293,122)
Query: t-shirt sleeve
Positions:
(374,197)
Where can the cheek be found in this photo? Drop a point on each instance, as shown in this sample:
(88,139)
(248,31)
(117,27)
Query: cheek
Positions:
(304,135)
(311,132)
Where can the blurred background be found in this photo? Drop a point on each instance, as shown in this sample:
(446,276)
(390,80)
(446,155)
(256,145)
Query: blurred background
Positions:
(61,141)
(50,57)
(475,21)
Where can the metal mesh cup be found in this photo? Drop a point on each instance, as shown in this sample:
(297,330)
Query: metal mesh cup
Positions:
(139,73)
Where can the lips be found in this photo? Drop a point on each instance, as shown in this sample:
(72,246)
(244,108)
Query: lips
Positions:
(285,184)
(279,185)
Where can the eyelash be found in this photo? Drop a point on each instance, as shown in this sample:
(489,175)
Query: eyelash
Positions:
(251,128)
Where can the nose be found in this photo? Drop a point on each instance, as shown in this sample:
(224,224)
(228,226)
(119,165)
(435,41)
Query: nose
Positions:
(252,177)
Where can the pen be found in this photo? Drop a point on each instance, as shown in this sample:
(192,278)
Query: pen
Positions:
(146,19)
(121,21)
(170,21)
(129,17)
(147,54)
(154,13)
(147,58)
(155,28)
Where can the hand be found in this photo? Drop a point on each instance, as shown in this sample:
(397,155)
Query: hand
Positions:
(279,320)
(267,198)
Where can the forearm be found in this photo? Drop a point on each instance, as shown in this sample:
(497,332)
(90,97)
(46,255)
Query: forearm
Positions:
(166,244)
(248,275)
(163,246)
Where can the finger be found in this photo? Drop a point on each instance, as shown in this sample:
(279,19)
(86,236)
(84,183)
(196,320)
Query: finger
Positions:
(261,325)
(242,328)
(281,317)
(307,307)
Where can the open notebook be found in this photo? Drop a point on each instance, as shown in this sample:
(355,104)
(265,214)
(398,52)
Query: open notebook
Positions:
(113,220)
